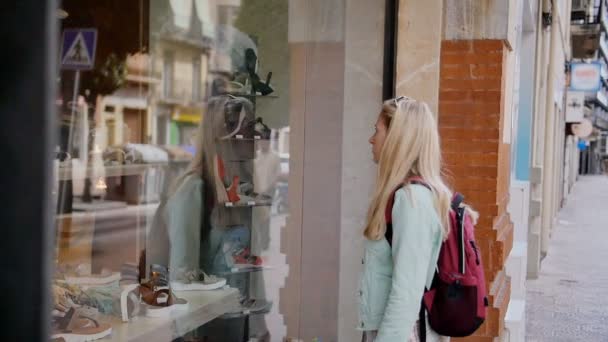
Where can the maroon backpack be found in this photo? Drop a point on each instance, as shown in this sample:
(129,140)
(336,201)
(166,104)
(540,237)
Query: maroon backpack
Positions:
(456,302)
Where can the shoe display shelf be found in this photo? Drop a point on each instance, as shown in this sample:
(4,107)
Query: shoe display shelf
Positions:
(238,270)
(69,172)
(250,96)
(203,307)
(240,137)
(246,204)
(245,312)
(240,149)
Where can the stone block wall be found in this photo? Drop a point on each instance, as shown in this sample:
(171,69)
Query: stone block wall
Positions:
(472,105)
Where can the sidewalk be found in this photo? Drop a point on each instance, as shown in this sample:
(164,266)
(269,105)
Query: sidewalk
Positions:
(569,301)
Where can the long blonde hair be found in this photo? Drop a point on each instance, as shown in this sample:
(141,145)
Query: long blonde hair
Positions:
(411,148)
(204,164)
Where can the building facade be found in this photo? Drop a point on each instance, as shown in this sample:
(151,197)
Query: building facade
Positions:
(275,203)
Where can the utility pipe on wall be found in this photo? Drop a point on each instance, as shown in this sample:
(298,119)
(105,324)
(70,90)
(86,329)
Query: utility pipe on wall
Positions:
(548,155)
(538,139)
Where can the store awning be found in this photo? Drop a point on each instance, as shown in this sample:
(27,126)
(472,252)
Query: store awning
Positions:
(135,98)
(187,115)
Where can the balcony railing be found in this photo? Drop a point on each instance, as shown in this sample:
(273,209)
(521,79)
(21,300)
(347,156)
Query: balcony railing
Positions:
(585,16)
(604,47)
(586,25)
(604,70)
(602,98)
(604,16)
(600,118)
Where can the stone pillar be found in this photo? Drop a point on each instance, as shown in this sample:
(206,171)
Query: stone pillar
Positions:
(472,105)
(549,164)
(475,105)
(538,151)
(418,45)
(362,103)
(311,239)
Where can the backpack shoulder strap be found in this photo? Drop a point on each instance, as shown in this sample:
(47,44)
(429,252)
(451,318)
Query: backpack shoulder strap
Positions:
(389,206)
(388,212)
(457,200)
(418,180)
(388,216)
(422,323)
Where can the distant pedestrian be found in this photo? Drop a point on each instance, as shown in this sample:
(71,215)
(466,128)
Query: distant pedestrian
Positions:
(400,259)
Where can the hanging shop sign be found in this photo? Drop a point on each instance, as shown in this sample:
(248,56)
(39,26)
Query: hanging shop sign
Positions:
(582,129)
(78,49)
(585,77)
(575,106)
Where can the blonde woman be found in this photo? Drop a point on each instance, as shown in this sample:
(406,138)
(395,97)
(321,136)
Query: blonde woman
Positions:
(189,208)
(400,262)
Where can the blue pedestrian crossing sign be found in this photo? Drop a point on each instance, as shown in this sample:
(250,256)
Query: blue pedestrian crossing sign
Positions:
(78,49)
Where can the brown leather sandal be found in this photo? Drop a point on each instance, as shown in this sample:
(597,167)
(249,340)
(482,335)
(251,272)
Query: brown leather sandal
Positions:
(160,301)
(77,325)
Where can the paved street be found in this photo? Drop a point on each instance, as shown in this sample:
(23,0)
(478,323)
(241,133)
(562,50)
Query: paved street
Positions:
(569,301)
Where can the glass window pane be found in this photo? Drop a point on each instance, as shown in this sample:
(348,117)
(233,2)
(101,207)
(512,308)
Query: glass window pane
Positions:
(199,177)
(171,171)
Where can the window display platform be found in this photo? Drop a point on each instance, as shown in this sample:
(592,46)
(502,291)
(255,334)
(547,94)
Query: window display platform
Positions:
(72,173)
(204,306)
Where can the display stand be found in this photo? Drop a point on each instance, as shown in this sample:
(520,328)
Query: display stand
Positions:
(218,315)
(238,153)
(204,306)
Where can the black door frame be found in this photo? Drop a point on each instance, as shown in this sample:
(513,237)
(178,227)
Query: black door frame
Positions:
(391,16)
(27,93)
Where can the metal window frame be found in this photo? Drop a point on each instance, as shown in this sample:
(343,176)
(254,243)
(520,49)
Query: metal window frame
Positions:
(390,48)
(28,124)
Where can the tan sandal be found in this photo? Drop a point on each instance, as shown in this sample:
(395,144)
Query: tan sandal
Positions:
(160,301)
(78,326)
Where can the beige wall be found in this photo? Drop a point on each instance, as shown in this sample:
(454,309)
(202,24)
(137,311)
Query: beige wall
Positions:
(538,140)
(418,46)
(336,91)
(310,299)
(554,126)
(476,19)
(362,98)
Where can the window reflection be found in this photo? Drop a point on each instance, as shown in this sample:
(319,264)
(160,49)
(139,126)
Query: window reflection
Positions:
(171,172)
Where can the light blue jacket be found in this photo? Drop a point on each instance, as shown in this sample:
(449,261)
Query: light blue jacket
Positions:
(187,247)
(174,239)
(393,280)
(184,214)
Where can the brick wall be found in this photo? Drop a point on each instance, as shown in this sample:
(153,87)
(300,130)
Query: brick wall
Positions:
(472,105)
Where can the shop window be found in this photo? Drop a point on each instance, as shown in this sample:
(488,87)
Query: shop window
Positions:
(168,74)
(173,202)
(176,216)
(196,78)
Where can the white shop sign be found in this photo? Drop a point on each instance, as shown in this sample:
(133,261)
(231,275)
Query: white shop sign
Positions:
(575,106)
(585,76)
